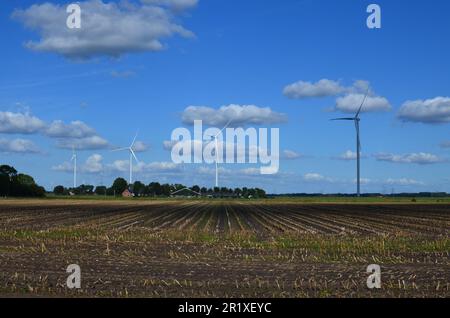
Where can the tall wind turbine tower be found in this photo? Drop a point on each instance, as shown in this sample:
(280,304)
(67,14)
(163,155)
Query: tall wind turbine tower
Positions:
(74,159)
(216,150)
(356,120)
(132,156)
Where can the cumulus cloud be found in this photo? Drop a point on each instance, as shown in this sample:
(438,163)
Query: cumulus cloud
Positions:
(75,134)
(290,155)
(349,97)
(87,143)
(314,177)
(20,123)
(237,114)
(362,181)
(140,146)
(429,111)
(63,167)
(177,5)
(168,144)
(93,164)
(22,146)
(76,129)
(348,155)
(322,88)
(421,158)
(107,29)
(142,167)
(403,182)
(350,103)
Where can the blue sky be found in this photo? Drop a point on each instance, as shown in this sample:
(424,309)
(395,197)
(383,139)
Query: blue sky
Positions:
(117,77)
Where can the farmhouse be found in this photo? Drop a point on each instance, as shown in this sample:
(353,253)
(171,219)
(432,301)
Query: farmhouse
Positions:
(127,194)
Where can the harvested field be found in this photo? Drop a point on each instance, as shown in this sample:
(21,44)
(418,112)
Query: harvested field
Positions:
(223,248)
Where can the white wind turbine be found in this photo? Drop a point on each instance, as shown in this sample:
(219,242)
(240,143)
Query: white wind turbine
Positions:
(74,159)
(132,155)
(216,147)
(356,120)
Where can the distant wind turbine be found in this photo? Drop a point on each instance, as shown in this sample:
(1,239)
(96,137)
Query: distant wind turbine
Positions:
(216,147)
(74,159)
(132,155)
(356,120)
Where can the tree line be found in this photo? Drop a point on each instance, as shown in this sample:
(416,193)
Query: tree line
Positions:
(155,189)
(14,184)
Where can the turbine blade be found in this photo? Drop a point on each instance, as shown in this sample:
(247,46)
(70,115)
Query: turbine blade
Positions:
(134,155)
(364,100)
(344,118)
(224,127)
(134,140)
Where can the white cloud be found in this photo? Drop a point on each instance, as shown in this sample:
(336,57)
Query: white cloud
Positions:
(20,123)
(75,134)
(421,158)
(177,5)
(23,146)
(349,155)
(445,144)
(168,144)
(64,167)
(250,171)
(142,167)
(87,143)
(291,155)
(107,29)
(93,164)
(429,111)
(350,103)
(322,88)
(239,115)
(161,167)
(403,182)
(314,177)
(76,129)
(140,146)
(363,181)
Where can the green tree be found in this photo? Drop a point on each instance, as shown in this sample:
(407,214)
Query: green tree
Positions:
(196,188)
(7,173)
(59,190)
(100,190)
(138,188)
(119,185)
(25,179)
(154,189)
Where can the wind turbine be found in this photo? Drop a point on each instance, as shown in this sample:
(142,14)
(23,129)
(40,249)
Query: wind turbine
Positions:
(74,159)
(356,120)
(216,147)
(132,155)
